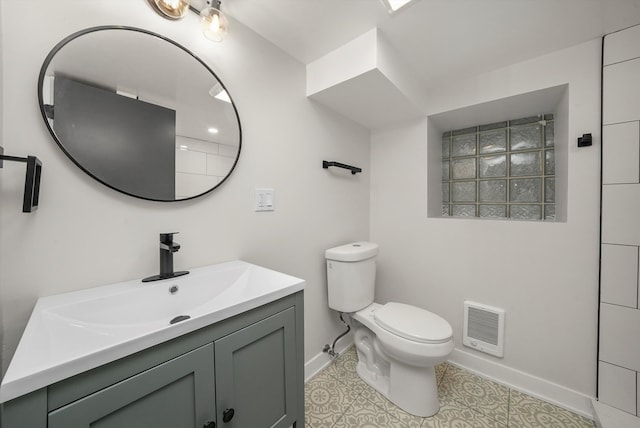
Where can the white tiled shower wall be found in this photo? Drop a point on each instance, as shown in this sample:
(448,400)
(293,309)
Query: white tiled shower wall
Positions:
(200,165)
(619,356)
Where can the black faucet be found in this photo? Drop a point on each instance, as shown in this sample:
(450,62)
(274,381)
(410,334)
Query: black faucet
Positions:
(167,248)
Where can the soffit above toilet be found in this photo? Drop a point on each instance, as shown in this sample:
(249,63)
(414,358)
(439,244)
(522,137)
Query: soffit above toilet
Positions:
(365,81)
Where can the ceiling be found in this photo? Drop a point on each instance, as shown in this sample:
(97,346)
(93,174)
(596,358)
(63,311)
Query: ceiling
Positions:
(437,39)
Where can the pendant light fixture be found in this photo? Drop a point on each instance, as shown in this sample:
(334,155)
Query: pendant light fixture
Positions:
(170,9)
(213,23)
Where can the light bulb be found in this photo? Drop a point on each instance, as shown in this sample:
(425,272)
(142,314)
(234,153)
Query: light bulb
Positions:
(172,9)
(214,24)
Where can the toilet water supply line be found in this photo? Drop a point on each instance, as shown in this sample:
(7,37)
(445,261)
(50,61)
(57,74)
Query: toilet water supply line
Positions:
(331,349)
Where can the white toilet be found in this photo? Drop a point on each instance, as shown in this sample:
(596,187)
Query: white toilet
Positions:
(398,345)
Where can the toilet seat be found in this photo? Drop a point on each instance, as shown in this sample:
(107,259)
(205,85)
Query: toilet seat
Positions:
(413,323)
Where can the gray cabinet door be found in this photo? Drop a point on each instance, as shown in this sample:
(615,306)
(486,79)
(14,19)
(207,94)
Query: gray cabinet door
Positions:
(176,394)
(256,374)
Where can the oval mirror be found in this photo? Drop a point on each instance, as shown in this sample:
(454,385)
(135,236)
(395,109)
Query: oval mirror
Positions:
(139,113)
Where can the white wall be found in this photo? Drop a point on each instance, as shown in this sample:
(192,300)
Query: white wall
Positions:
(85,235)
(545,275)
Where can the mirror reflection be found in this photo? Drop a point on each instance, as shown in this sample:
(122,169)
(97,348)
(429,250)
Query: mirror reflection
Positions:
(139,113)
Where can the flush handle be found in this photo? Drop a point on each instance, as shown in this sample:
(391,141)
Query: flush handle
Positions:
(227,415)
(209,424)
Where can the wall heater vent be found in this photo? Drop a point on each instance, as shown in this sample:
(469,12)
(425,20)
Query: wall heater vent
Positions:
(484,328)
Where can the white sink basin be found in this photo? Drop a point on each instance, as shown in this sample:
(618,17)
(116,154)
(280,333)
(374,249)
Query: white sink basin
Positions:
(74,332)
(156,302)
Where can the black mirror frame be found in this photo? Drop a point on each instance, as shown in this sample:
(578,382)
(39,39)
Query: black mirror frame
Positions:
(43,109)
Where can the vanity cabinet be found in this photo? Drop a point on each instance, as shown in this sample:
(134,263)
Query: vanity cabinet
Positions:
(255,374)
(173,394)
(245,371)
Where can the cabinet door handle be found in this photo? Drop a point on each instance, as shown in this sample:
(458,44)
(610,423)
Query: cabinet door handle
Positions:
(227,415)
(209,424)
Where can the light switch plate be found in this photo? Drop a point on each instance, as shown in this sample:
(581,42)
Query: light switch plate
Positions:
(264,200)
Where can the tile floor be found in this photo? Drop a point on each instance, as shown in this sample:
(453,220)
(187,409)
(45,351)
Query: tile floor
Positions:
(337,397)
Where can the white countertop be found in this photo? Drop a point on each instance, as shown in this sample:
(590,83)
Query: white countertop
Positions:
(70,333)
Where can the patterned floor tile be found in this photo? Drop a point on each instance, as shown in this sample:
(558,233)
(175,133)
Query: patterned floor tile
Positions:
(480,394)
(364,414)
(529,412)
(344,369)
(337,397)
(325,400)
(456,415)
(387,406)
(441,370)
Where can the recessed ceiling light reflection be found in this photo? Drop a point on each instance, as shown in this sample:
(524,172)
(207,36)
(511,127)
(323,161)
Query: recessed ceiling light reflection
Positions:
(213,130)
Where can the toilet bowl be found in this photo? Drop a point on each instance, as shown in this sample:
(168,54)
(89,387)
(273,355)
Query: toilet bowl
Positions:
(400,362)
(398,345)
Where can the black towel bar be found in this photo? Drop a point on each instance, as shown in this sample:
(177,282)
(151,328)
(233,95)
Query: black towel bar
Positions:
(354,169)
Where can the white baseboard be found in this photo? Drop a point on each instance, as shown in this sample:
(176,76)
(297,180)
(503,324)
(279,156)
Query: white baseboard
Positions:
(609,417)
(322,360)
(559,395)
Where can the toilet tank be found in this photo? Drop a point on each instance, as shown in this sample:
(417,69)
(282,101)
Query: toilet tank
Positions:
(351,276)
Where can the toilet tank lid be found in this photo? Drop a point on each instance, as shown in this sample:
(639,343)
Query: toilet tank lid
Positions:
(413,323)
(353,252)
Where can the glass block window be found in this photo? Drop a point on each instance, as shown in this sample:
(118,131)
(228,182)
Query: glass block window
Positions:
(500,170)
